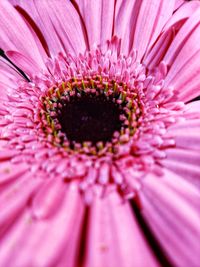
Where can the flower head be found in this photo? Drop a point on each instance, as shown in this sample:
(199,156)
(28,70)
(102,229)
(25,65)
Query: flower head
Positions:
(99,149)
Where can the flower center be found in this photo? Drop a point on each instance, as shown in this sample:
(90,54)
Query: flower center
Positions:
(92,116)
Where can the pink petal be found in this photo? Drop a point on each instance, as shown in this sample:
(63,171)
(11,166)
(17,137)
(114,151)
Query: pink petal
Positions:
(7,154)
(8,79)
(13,31)
(186,134)
(124,22)
(184,188)
(183,75)
(150,21)
(193,107)
(182,37)
(8,72)
(11,238)
(59,23)
(23,62)
(9,171)
(173,220)
(178,3)
(98,19)
(114,236)
(14,199)
(50,240)
(187,171)
(185,79)
(156,54)
(183,13)
(48,198)
(184,159)
(158,51)
(139,23)
(184,156)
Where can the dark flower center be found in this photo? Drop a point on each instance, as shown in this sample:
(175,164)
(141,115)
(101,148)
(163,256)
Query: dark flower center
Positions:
(90,118)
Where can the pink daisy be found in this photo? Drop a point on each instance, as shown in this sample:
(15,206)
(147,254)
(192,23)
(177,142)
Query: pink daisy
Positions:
(99,148)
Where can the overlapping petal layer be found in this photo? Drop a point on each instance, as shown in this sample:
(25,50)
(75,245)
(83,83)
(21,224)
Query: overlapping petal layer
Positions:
(69,210)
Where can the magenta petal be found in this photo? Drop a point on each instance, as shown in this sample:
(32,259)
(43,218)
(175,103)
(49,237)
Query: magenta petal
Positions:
(184,57)
(124,23)
(184,156)
(187,171)
(151,19)
(178,3)
(12,38)
(48,198)
(45,237)
(114,236)
(169,32)
(8,80)
(184,159)
(139,23)
(156,54)
(184,38)
(23,62)
(186,134)
(9,171)
(64,32)
(128,200)
(184,76)
(14,199)
(171,218)
(182,14)
(184,188)
(98,18)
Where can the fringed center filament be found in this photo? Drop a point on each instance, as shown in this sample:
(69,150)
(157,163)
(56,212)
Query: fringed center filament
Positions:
(91,116)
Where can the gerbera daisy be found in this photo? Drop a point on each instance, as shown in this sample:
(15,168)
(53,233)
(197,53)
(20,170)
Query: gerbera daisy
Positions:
(99,149)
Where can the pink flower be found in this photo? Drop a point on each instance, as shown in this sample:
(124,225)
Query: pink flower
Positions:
(99,148)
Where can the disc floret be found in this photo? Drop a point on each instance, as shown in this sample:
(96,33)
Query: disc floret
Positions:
(119,98)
